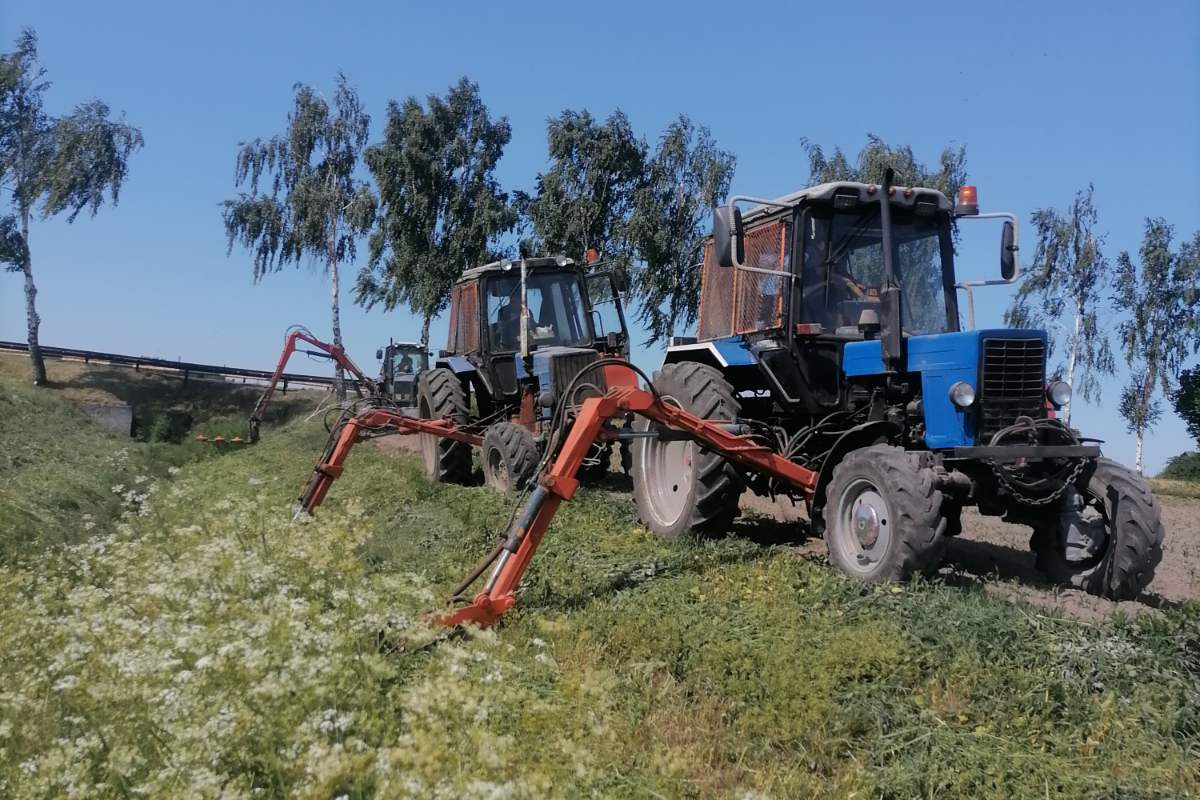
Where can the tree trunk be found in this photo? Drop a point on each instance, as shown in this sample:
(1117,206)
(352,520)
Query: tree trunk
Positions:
(32,320)
(339,377)
(1071,360)
(425,332)
(1147,389)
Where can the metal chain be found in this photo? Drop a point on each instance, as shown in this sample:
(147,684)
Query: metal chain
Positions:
(1038,501)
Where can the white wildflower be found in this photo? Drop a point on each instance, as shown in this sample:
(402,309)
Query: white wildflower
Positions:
(66,682)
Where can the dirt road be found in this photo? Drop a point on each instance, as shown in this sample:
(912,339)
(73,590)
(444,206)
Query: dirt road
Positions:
(995,556)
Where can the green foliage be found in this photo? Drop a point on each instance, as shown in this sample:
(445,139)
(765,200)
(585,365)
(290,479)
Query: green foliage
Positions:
(91,156)
(586,197)
(1062,291)
(14,252)
(1182,467)
(876,156)
(441,208)
(311,203)
(313,206)
(1187,401)
(57,467)
(687,175)
(65,164)
(1162,297)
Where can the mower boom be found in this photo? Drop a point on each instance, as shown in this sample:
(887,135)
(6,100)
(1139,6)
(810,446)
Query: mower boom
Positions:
(556,484)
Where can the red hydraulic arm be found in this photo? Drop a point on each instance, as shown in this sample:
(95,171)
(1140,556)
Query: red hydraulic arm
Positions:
(372,421)
(559,484)
(330,351)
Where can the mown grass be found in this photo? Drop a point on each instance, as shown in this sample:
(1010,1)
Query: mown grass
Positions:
(63,478)
(208,647)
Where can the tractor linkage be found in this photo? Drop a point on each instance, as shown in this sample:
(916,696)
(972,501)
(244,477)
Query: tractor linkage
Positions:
(556,483)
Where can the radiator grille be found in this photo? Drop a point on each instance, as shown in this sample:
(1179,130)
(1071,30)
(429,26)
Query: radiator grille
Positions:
(564,367)
(1012,383)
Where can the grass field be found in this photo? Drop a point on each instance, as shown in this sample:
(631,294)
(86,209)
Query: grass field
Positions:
(194,642)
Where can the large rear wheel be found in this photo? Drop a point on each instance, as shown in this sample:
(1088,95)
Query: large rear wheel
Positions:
(440,395)
(510,456)
(883,515)
(1104,537)
(680,488)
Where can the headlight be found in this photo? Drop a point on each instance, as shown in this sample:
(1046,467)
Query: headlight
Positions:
(1058,393)
(962,394)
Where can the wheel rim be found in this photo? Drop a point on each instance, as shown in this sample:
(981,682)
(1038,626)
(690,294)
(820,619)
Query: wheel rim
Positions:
(1082,528)
(497,469)
(863,534)
(667,470)
(429,442)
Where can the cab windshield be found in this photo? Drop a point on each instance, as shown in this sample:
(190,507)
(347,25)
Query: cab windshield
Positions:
(843,270)
(556,314)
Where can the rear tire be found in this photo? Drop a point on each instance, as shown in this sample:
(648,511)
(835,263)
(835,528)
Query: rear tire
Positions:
(883,515)
(510,456)
(1080,546)
(440,395)
(680,488)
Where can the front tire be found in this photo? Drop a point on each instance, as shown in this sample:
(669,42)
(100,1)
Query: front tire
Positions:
(679,487)
(883,515)
(510,456)
(1105,538)
(440,395)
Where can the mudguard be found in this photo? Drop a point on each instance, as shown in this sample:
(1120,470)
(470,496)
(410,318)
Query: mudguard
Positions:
(864,435)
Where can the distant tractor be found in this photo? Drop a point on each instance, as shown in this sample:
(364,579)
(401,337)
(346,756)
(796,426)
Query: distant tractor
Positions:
(396,384)
(519,331)
(400,364)
(829,326)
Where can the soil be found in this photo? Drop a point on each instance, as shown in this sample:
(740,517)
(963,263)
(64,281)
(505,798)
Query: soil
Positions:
(989,555)
(995,557)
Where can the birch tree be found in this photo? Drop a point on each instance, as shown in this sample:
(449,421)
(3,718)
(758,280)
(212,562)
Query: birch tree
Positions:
(877,155)
(441,208)
(585,199)
(685,178)
(50,166)
(304,200)
(1062,293)
(1161,296)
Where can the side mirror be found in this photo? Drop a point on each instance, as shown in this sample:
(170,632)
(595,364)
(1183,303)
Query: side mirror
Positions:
(729,239)
(1008,253)
(620,281)
(379,354)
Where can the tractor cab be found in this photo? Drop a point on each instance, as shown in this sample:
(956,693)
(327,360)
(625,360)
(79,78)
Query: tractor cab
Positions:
(401,362)
(830,299)
(518,328)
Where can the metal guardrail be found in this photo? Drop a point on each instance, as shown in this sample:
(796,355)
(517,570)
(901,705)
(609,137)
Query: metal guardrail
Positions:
(163,365)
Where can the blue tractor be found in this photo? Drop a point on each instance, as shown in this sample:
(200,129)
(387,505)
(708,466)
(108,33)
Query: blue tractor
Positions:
(830,329)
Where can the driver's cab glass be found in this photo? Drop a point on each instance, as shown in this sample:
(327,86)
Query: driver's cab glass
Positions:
(555,313)
(844,275)
(606,313)
(404,364)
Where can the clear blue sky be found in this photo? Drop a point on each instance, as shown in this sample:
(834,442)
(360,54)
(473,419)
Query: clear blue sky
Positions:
(1046,97)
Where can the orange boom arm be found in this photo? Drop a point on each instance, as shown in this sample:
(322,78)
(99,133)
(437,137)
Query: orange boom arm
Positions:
(559,484)
(324,350)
